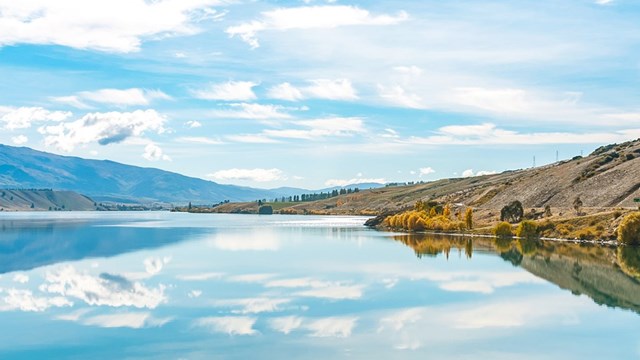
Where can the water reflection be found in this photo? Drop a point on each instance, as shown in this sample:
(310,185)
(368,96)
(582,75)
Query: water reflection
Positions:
(608,275)
(30,243)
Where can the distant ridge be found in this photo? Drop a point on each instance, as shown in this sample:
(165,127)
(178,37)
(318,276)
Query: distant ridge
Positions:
(104,180)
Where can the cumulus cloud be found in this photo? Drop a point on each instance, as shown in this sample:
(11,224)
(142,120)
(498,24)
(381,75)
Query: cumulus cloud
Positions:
(118,97)
(310,17)
(228,91)
(258,175)
(153,266)
(153,152)
(285,91)
(103,128)
(397,95)
(105,289)
(193,124)
(21,278)
(23,117)
(426,171)
(25,300)
(19,140)
(469,173)
(114,26)
(329,89)
(231,325)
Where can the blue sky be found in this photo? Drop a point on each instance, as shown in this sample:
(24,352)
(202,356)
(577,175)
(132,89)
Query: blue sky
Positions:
(317,93)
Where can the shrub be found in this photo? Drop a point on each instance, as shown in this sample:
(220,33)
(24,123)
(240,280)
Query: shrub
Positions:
(503,230)
(265,210)
(629,229)
(512,212)
(527,229)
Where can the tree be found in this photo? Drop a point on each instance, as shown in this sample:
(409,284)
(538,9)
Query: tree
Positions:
(468,218)
(503,230)
(447,212)
(527,229)
(33,205)
(189,205)
(577,205)
(629,229)
(547,211)
(512,213)
(265,210)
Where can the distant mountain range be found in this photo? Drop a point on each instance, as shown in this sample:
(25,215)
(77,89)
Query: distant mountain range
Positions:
(104,180)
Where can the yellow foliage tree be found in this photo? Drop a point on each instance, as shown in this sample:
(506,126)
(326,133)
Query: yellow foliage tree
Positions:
(468,218)
(447,211)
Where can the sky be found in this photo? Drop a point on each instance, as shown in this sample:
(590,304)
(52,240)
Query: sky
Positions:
(319,93)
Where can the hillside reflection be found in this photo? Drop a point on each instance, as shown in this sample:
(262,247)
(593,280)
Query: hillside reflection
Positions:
(27,244)
(608,275)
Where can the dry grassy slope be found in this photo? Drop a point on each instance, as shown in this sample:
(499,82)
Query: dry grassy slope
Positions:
(604,179)
(21,200)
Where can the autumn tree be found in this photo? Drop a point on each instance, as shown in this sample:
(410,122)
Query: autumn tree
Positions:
(468,218)
(577,205)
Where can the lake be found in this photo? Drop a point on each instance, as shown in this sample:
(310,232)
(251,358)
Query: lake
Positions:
(200,286)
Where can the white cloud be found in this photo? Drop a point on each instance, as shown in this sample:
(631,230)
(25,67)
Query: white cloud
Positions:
(19,140)
(195,294)
(118,97)
(604,2)
(319,128)
(310,17)
(490,134)
(354,181)
(320,289)
(229,91)
(106,289)
(21,278)
(252,111)
(252,139)
(153,152)
(231,325)
(153,266)
(285,91)
(104,128)
(339,89)
(285,324)
(258,175)
(426,171)
(201,277)
(192,124)
(134,320)
(397,95)
(254,305)
(467,173)
(24,300)
(116,26)
(22,117)
(199,140)
(250,278)
(340,327)
(329,89)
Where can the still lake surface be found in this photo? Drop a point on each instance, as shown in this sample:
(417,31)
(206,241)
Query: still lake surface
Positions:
(197,286)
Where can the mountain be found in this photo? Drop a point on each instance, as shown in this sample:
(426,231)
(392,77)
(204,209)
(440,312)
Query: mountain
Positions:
(104,180)
(44,199)
(607,178)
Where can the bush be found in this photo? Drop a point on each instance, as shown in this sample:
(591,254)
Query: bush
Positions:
(503,230)
(265,210)
(629,229)
(527,229)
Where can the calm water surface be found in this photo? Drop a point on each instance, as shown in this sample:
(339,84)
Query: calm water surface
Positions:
(189,286)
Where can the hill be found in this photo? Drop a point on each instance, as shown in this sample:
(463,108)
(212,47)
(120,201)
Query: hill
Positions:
(104,180)
(607,178)
(44,200)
